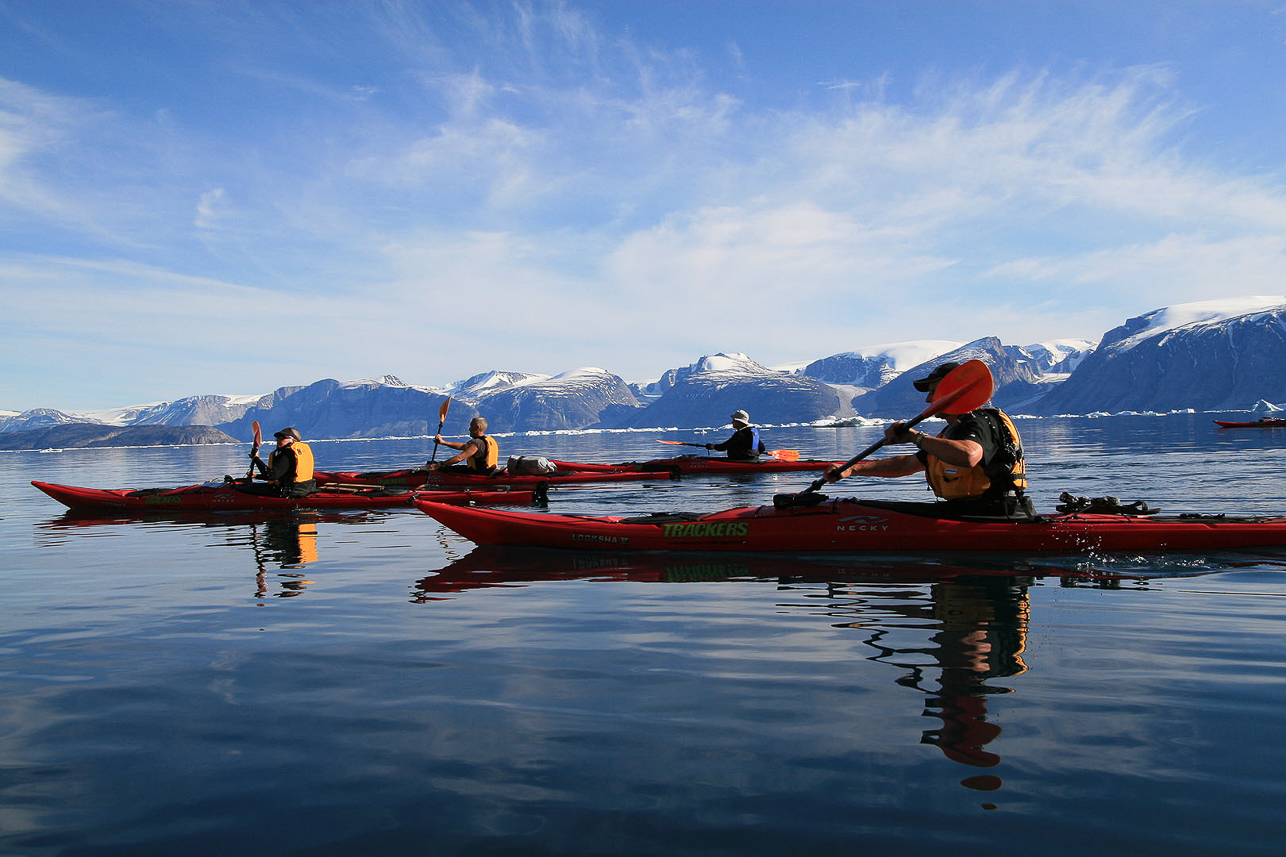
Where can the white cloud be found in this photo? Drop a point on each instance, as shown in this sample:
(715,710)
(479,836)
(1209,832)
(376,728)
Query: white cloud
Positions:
(207,208)
(517,177)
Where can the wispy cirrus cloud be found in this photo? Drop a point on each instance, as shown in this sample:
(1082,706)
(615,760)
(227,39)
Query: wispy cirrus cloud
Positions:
(409,161)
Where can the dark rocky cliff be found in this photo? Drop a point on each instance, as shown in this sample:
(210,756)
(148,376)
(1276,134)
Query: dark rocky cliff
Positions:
(1210,366)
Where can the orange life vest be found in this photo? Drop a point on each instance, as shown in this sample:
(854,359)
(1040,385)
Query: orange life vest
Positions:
(303,461)
(487,456)
(952,482)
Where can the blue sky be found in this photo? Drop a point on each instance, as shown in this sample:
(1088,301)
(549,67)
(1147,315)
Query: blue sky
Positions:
(226,197)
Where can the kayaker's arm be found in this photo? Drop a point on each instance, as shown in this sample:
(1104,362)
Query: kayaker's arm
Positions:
(892,468)
(468,448)
(961,453)
(283,463)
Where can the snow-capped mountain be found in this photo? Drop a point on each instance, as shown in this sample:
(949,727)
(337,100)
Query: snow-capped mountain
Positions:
(478,387)
(1059,356)
(708,391)
(1015,380)
(874,366)
(1209,355)
(575,399)
(188,411)
(735,363)
(36,418)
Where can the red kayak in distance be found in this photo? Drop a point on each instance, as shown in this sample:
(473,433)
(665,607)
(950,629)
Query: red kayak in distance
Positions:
(1268,422)
(696,464)
(227,497)
(413,478)
(859,527)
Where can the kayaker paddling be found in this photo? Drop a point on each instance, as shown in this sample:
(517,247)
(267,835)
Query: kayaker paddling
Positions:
(975,463)
(480,453)
(289,471)
(744,444)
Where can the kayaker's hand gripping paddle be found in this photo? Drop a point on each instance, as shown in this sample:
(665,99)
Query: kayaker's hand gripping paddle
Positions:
(966,387)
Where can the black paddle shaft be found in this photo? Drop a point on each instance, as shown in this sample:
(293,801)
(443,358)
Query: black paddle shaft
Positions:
(818,483)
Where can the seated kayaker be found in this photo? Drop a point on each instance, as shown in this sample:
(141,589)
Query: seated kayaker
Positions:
(289,471)
(975,463)
(744,444)
(479,453)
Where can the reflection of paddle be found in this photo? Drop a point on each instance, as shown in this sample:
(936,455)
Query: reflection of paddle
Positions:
(254,451)
(965,388)
(782,454)
(442,418)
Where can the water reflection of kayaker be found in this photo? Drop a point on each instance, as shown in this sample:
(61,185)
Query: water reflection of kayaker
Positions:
(975,463)
(289,471)
(289,544)
(981,634)
(744,443)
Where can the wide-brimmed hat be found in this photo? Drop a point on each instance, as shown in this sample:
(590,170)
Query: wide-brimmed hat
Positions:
(291,433)
(740,417)
(926,384)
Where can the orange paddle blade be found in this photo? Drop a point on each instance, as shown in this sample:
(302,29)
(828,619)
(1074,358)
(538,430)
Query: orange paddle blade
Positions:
(784,454)
(257,435)
(442,411)
(672,442)
(965,388)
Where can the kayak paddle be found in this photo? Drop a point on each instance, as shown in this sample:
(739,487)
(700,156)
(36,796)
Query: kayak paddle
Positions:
(442,418)
(781,454)
(965,388)
(254,450)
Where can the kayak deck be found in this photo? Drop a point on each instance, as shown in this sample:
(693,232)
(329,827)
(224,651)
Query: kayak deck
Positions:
(226,496)
(1270,422)
(414,478)
(857,526)
(698,464)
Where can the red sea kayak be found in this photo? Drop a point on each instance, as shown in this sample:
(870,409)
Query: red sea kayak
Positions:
(857,527)
(695,464)
(411,478)
(226,497)
(1264,423)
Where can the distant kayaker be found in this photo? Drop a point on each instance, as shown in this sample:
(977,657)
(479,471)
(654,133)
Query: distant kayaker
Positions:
(479,453)
(975,463)
(289,471)
(744,444)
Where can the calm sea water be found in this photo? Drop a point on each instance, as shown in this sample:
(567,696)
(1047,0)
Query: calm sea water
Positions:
(369,683)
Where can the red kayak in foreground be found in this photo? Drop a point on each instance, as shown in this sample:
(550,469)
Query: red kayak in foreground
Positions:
(226,496)
(858,527)
(696,464)
(1270,422)
(412,478)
